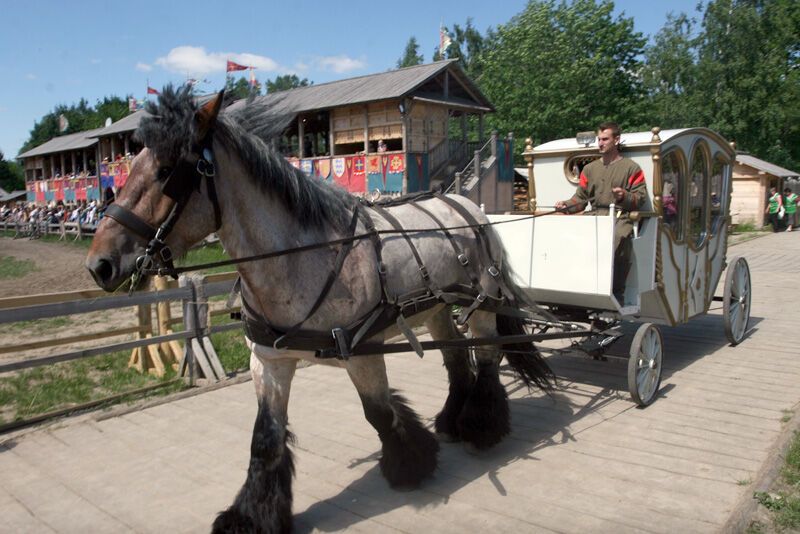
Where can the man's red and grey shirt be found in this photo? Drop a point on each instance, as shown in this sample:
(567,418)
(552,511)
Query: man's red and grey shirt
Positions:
(597,181)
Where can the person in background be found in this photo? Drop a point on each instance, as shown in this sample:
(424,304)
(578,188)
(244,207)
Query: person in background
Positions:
(791,208)
(381,145)
(774,205)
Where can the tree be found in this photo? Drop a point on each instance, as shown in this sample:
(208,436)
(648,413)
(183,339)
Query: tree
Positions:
(411,56)
(240,88)
(286,82)
(554,70)
(748,84)
(11,177)
(81,117)
(670,74)
(466,45)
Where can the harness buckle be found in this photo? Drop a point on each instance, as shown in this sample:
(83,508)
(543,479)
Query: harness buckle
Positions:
(424,272)
(462,258)
(494,271)
(166,254)
(342,346)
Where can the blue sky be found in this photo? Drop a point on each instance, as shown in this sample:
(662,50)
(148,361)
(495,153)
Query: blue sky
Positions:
(55,52)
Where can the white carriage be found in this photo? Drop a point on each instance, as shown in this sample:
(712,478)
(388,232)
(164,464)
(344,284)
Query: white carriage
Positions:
(678,249)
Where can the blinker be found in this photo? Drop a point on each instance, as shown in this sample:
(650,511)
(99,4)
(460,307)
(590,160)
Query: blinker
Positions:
(181,181)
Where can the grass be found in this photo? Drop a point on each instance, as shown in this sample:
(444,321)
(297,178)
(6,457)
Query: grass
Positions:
(783,501)
(230,346)
(43,389)
(37,326)
(84,243)
(206,254)
(11,267)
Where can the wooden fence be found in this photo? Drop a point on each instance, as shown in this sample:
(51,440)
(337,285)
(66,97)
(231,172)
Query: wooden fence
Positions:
(196,361)
(63,230)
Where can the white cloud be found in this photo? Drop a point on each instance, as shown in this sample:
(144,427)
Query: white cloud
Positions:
(143,67)
(195,61)
(30,76)
(339,64)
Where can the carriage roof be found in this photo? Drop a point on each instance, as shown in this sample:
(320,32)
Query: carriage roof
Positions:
(632,140)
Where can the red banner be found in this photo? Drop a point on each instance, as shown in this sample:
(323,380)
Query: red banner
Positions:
(235,66)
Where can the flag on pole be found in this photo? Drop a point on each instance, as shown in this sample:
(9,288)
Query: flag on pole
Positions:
(151,91)
(444,40)
(252,78)
(235,66)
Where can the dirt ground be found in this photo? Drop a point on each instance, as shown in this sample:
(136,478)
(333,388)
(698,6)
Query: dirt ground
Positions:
(59,268)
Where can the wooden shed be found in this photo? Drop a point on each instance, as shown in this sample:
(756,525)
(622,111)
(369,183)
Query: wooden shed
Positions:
(752,179)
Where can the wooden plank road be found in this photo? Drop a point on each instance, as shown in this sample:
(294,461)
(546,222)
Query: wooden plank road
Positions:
(583,460)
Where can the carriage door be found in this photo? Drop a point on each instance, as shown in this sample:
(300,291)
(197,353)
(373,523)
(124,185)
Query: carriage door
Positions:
(697,235)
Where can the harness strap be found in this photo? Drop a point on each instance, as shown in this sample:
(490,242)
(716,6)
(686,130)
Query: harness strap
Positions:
(377,244)
(344,250)
(462,257)
(131,221)
(423,271)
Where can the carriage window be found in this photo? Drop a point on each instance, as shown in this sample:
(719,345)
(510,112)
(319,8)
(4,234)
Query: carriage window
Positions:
(698,188)
(670,196)
(719,198)
(576,164)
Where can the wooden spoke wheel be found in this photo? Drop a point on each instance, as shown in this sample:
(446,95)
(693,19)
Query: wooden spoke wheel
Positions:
(644,364)
(736,300)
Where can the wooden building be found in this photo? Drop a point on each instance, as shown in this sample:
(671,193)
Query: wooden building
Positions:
(390,133)
(752,179)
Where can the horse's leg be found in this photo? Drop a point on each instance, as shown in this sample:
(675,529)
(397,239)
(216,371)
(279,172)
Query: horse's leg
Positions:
(409,450)
(485,418)
(456,361)
(264,504)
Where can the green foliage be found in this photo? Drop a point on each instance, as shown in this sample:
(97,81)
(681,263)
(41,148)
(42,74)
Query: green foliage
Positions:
(286,82)
(207,254)
(240,88)
(81,116)
(555,69)
(11,267)
(466,45)
(411,55)
(11,176)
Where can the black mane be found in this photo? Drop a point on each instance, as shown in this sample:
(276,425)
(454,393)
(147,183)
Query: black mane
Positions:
(249,131)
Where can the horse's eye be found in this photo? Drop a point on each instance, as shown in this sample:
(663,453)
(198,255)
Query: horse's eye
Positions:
(164,172)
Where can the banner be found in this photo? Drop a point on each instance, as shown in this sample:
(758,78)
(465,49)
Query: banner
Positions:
(324,168)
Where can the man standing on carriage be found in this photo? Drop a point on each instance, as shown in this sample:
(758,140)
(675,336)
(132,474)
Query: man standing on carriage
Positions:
(611,179)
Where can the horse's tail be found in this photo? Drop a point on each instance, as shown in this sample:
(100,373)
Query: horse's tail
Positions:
(524,358)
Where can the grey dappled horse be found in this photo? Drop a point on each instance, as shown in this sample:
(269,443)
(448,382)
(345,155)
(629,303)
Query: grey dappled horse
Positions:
(203,171)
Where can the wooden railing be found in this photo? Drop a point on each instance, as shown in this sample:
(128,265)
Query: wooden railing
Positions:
(198,360)
(40,228)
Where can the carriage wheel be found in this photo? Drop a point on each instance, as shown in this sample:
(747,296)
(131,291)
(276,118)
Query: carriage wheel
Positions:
(644,364)
(736,301)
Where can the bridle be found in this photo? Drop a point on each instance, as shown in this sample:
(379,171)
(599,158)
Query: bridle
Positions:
(183,180)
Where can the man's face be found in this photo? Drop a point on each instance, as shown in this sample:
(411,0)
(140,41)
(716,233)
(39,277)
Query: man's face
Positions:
(606,141)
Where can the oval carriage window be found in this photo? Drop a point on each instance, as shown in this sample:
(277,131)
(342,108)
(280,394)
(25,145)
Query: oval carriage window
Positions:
(719,198)
(671,178)
(575,164)
(698,188)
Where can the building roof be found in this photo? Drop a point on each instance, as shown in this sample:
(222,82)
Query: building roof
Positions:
(14,195)
(765,166)
(127,123)
(63,143)
(388,85)
(626,139)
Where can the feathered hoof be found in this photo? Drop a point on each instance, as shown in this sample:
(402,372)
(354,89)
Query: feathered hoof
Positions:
(485,419)
(409,458)
(231,521)
(446,437)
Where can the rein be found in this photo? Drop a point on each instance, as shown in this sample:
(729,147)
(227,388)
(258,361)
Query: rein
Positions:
(175,271)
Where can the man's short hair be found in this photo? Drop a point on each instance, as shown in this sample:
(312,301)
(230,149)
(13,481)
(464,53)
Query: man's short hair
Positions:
(613,126)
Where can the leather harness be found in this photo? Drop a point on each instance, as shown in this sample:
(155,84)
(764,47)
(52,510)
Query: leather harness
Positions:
(340,342)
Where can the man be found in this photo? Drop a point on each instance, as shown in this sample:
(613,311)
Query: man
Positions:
(774,205)
(611,179)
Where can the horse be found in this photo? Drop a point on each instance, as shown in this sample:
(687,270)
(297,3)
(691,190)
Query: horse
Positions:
(367,272)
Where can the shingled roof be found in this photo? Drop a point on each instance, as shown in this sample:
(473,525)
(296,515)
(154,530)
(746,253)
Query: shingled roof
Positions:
(62,143)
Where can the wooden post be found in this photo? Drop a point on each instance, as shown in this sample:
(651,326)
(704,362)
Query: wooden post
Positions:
(301,136)
(458,183)
(139,355)
(528,155)
(171,350)
(199,356)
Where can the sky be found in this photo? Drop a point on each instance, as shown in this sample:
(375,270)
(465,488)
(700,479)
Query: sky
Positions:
(55,52)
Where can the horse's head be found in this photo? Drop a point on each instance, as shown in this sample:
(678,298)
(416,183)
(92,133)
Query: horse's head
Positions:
(163,208)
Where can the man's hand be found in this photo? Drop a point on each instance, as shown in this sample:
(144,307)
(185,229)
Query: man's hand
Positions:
(619,194)
(560,205)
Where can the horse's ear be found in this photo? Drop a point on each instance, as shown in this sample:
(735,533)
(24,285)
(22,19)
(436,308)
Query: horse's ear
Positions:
(206,116)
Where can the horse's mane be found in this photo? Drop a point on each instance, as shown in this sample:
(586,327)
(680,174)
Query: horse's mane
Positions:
(248,130)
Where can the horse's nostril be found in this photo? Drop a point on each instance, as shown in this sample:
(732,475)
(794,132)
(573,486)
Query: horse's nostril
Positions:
(102,271)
